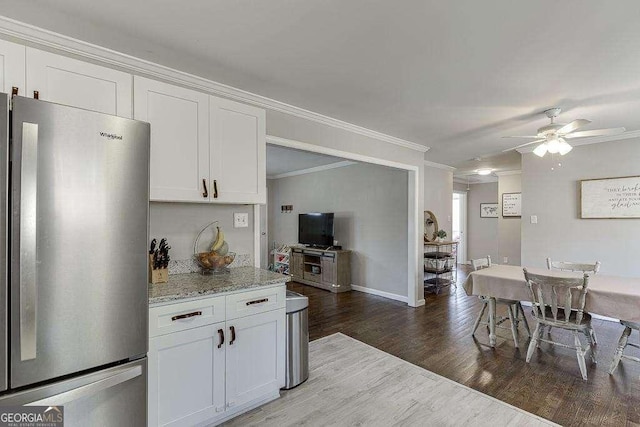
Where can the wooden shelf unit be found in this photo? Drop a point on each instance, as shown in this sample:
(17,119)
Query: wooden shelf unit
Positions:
(325,269)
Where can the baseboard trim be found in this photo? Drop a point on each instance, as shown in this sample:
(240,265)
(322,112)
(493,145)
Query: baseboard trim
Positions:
(383,294)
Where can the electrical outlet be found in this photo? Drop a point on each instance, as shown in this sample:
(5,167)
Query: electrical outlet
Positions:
(240,220)
(534,219)
(505,260)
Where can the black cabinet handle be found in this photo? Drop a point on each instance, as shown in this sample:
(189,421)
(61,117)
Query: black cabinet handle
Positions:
(215,189)
(258,301)
(205,193)
(186,316)
(233,335)
(221,335)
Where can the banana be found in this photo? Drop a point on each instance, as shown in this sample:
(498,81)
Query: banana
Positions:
(219,241)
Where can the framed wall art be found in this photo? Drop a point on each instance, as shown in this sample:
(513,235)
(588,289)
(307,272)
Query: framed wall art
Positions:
(489,210)
(610,197)
(511,205)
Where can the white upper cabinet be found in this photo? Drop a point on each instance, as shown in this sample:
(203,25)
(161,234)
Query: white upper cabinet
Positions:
(179,139)
(238,152)
(78,84)
(12,72)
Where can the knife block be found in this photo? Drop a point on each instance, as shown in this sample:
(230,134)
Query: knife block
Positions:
(160,275)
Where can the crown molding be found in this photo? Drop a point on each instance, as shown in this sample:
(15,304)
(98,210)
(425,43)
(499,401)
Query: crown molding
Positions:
(41,37)
(589,141)
(438,165)
(321,168)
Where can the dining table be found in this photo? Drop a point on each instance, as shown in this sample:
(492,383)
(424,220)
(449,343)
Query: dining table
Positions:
(610,296)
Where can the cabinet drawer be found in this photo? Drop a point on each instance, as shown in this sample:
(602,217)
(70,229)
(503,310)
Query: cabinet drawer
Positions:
(253,302)
(185,315)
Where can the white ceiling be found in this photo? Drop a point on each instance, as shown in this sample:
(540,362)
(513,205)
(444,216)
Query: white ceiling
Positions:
(281,160)
(452,75)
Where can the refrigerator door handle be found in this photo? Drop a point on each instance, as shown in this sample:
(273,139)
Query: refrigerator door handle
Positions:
(28,235)
(90,389)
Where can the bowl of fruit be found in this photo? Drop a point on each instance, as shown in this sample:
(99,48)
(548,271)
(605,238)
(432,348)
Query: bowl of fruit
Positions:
(211,251)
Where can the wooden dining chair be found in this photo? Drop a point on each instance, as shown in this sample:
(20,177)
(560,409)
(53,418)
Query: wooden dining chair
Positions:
(514,308)
(554,305)
(577,267)
(624,342)
(573,266)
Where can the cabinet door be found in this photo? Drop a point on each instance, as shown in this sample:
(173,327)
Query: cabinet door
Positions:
(238,152)
(179,120)
(255,359)
(12,67)
(328,266)
(297,265)
(78,84)
(186,377)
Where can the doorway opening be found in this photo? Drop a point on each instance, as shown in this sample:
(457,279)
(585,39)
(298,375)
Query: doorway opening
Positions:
(459,224)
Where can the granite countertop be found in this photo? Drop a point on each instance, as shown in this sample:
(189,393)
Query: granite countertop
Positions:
(193,285)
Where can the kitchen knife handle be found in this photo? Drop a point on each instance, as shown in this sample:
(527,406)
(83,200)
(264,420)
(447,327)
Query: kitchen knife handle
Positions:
(215,189)
(27,270)
(233,335)
(221,335)
(186,316)
(205,193)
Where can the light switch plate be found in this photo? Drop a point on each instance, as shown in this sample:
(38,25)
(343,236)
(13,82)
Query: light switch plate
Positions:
(240,220)
(534,219)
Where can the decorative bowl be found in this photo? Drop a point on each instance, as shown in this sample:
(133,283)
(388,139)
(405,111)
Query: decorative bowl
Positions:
(211,251)
(213,262)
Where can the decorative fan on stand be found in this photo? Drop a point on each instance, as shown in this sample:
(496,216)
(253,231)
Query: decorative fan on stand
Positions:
(552,138)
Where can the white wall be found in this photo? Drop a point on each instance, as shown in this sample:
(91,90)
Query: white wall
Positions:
(509,233)
(482,233)
(370,206)
(438,195)
(554,196)
(180,223)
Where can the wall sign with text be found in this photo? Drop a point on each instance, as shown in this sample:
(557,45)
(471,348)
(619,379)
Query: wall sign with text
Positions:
(511,204)
(610,197)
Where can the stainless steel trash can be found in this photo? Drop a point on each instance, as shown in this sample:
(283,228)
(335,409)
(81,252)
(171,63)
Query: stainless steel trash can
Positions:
(297,361)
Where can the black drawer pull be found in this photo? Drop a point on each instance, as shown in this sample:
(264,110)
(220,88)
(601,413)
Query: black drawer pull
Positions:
(186,316)
(258,301)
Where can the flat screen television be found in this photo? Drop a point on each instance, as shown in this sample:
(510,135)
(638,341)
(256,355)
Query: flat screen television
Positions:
(315,229)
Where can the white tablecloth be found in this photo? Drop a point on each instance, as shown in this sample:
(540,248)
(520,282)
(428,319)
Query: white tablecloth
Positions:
(611,296)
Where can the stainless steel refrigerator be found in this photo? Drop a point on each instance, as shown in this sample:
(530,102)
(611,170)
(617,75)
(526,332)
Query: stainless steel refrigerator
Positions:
(74,200)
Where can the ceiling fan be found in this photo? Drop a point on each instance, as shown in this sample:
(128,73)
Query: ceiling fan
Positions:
(552,137)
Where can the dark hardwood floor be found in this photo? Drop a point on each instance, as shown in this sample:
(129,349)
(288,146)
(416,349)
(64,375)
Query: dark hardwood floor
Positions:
(437,337)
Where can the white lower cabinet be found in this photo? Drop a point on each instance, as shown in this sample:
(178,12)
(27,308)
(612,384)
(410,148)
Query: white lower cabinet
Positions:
(202,375)
(255,360)
(186,377)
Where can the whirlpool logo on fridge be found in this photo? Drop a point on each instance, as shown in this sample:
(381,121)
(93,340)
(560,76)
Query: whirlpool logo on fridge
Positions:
(111,136)
(31,416)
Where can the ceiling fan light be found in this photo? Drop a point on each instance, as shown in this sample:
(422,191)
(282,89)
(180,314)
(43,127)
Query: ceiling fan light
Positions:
(564,147)
(484,171)
(540,150)
(553,146)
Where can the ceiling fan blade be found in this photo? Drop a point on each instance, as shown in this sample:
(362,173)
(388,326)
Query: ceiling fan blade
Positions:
(522,136)
(524,145)
(573,126)
(595,132)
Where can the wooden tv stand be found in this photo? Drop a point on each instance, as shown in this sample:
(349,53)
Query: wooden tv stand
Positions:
(325,269)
